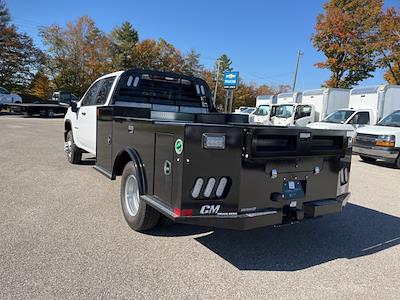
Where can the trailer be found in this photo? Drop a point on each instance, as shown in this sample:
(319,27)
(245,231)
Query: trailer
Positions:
(48,108)
(181,160)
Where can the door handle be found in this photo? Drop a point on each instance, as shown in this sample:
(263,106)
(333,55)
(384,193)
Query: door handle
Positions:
(83,113)
(167,167)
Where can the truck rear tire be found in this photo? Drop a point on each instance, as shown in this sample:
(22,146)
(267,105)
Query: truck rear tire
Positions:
(397,164)
(50,113)
(74,154)
(139,215)
(367,159)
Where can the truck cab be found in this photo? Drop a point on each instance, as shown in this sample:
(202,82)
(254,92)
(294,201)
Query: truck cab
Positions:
(381,141)
(294,114)
(81,118)
(262,115)
(346,119)
(64,97)
(287,112)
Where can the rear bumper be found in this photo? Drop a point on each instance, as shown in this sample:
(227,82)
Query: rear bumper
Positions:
(247,221)
(377,152)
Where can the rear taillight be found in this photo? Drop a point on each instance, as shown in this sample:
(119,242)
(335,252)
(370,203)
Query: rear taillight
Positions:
(182,212)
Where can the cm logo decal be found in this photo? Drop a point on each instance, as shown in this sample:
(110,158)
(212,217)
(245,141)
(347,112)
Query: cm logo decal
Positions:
(209,209)
(178,146)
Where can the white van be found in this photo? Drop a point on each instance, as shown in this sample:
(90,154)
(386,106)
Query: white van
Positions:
(381,141)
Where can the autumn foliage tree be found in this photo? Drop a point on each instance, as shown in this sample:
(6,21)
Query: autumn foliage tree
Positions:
(78,54)
(345,34)
(40,85)
(387,44)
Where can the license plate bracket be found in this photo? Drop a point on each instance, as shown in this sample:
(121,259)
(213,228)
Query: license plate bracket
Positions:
(293,189)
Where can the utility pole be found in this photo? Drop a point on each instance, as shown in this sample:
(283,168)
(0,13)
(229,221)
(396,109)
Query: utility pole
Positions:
(299,54)
(216,81)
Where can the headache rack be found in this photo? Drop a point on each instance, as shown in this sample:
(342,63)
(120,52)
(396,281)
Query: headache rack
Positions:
(282,142)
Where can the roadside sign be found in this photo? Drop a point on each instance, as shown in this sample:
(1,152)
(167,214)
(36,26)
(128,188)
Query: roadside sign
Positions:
(231,80)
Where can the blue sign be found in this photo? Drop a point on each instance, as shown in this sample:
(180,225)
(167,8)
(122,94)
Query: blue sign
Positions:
(231,80)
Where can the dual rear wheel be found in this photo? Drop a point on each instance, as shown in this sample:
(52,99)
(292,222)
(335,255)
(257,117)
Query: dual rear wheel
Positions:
(138,214)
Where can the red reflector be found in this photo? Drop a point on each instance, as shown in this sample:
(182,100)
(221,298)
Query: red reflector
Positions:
(182,212)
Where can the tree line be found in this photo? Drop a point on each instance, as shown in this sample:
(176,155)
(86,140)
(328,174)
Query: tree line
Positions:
(79,52)
(356,36)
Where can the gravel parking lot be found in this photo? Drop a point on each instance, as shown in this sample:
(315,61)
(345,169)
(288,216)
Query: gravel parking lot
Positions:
(62,235)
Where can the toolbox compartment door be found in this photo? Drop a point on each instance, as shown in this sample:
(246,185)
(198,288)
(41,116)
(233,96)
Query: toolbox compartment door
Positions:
(103,138)
(163,166)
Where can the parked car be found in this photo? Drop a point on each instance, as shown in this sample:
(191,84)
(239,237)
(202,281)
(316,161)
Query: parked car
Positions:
(381,141)
(7,98)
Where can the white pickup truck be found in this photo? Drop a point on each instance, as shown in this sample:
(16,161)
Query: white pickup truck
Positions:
(7,98)
(381,141)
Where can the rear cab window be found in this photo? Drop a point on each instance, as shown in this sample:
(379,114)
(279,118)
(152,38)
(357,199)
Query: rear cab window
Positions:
(163,90)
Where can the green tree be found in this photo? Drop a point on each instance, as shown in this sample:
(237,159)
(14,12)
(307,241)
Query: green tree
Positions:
(345,35)
(223,64)
(77,54)
(191,64)
(123,41)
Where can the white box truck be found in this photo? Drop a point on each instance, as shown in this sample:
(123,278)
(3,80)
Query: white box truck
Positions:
(326,101)
(367,105)
(265,100)
(262,115)
(285,109)
(315,105)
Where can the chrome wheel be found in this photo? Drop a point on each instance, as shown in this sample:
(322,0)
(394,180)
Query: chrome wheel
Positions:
(68,148)
(132,195)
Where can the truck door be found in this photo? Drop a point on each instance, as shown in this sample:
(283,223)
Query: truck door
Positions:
(304,115)
(164,156)
(96,96)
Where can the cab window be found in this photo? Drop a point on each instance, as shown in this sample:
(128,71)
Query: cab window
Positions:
(104,90)
(91,94)
(361,118)
(303,111)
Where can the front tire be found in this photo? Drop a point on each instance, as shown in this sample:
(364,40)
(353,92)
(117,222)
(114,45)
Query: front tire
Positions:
(367,159)
(139,215)
(74,154)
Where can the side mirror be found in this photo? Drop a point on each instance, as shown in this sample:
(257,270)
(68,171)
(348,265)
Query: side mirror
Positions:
(74,106)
